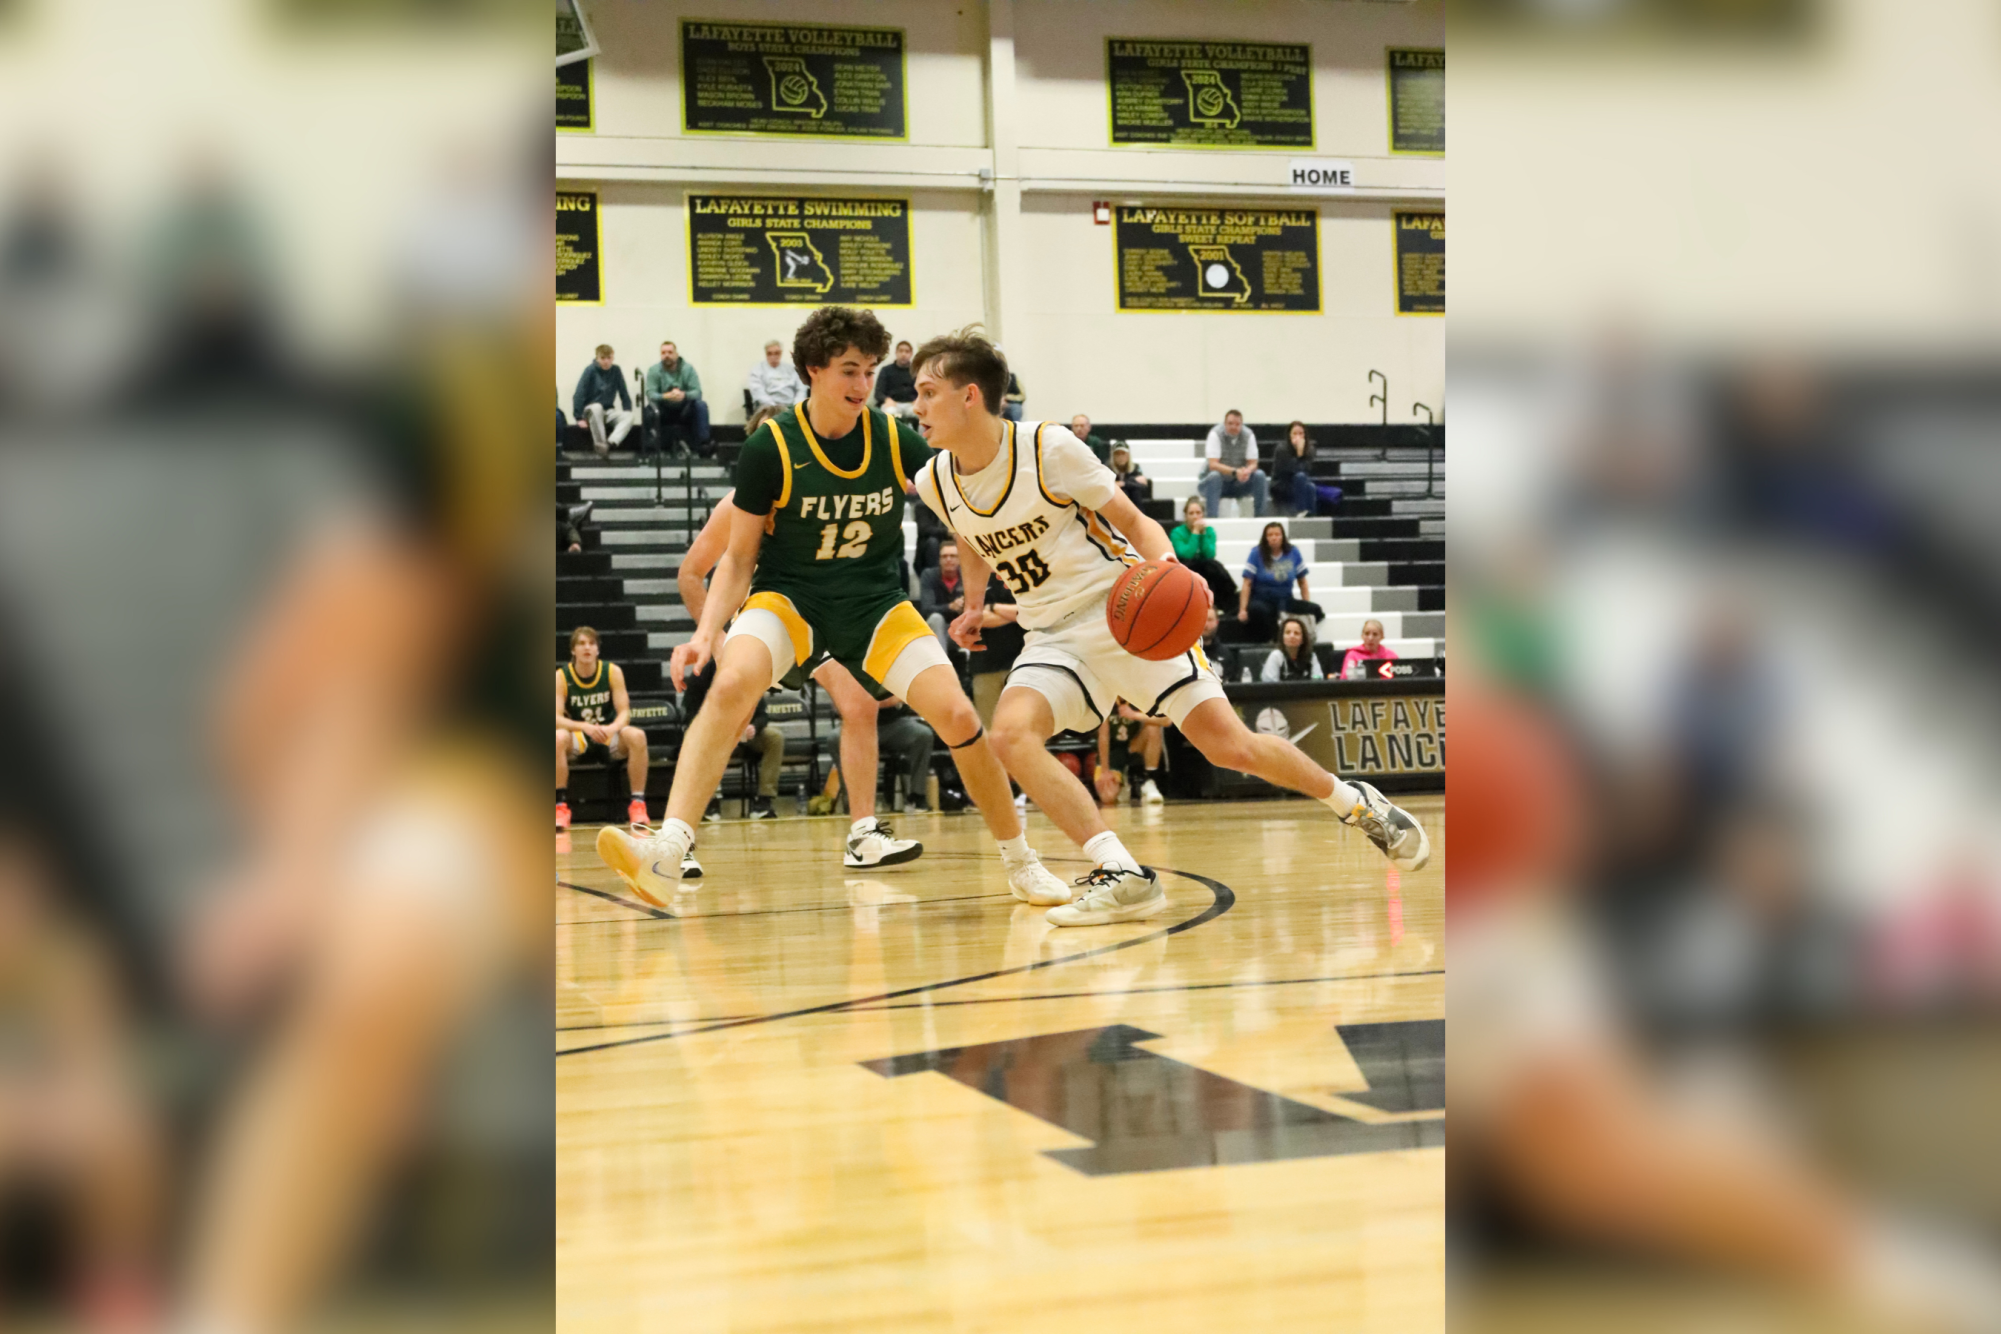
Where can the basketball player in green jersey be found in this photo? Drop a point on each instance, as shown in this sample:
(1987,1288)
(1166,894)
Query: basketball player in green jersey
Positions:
(817,543)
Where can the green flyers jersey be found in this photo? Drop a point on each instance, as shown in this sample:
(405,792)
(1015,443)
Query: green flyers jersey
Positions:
(588,701)
(835,540)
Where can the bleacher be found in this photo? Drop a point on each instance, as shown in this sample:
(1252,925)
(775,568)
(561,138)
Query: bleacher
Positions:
(1381,557)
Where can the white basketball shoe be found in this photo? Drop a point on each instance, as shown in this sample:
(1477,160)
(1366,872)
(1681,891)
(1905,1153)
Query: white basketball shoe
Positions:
(1032,882)
(654,867)
(1391,828)
(1113,894)
(874,843)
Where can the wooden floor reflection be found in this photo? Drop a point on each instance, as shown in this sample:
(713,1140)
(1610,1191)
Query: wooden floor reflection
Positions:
(804,1098)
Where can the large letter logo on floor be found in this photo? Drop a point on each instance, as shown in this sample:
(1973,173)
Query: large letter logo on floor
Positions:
(1147,1113)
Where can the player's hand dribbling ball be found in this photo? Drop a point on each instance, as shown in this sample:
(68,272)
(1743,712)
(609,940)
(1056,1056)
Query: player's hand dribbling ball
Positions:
(1157,608)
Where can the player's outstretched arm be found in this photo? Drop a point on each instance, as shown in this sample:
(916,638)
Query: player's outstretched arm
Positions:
(1144,533)
(702,555)
(973,575)
(726,593)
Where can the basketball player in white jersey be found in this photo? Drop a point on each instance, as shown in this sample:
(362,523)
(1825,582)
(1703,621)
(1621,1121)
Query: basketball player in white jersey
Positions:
(871,842)
(1033,504)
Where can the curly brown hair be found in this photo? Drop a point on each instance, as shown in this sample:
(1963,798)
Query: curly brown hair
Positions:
(964,358)
(832,330)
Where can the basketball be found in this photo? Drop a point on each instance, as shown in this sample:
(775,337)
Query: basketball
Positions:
(1156,610)
(1069,759)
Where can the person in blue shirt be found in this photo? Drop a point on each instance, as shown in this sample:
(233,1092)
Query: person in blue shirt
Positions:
(1269,575)
(600,386)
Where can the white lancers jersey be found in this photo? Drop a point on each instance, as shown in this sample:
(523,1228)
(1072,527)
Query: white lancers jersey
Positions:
(1032,514)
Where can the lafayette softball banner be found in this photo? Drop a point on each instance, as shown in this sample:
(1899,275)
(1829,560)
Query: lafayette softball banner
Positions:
(763,250)
(797,79)
(1217,259)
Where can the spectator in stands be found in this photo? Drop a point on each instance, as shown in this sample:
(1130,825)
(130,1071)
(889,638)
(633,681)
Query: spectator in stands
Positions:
(674,398)
(942,594)
(600,386)
(1212,635)
(1136,484)
(772,383)
(1195,546)
(1001,639)
(1124,731)
(1292,473)
(895,386)
(593,720)
(1080,426)
(1232,466)
(762,736)
(1015,400)
(931,530)
(903,734)
(78,1134)
(1269,575)
(570,525)
(1355,662)
(1293,659)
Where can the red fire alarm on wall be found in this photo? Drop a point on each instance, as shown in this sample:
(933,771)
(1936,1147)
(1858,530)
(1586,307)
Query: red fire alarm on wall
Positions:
(1101,212)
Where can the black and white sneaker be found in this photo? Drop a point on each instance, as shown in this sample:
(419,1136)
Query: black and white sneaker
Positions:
(761,809)
(1112,894)
(714,812)
(1391,828)
(873,843)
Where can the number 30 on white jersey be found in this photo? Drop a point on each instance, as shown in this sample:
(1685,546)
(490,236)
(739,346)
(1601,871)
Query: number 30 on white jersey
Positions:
(1058,556)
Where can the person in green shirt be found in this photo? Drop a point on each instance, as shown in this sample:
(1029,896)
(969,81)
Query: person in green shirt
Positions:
(674,398)
(814,562)
(1080,426)
(1195,546)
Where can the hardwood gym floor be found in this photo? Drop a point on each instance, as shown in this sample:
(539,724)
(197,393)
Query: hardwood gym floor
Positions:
(807,1098)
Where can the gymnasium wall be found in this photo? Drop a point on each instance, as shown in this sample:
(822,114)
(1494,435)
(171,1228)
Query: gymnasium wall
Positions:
(1021,251)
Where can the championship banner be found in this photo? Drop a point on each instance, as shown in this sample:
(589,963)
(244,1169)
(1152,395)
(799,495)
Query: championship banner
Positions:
(1217,259)
(573,98)
(1195,94)
(1420,262)
(579,243)
(1417,102)
(810,80)
(760,250)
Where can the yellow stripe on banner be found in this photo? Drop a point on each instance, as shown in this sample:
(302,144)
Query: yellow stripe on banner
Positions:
(785,463)
(896,631)
(795,624)
(813,443)
(895,440)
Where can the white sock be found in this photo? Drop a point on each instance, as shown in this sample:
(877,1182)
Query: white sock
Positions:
(1107,850)
(1015,850)
(679,830)
(862,826)
(1343,799)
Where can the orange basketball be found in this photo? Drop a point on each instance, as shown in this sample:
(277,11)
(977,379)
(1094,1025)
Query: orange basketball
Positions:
(1070,762)
(1156,610)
